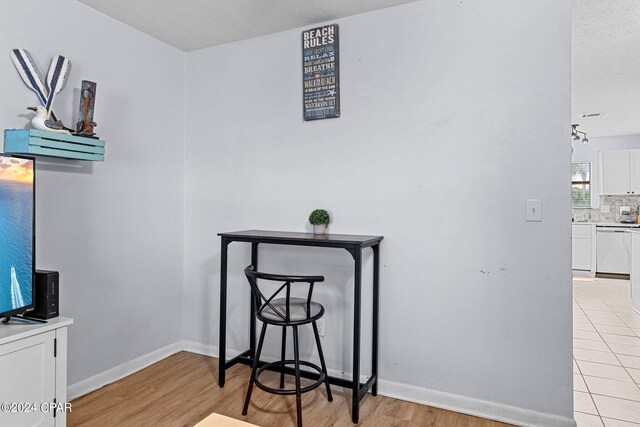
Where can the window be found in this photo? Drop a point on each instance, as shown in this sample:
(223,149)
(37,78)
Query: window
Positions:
(581,185)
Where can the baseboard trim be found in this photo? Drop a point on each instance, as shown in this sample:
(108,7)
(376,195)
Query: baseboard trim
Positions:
(470,406)
(410,393)
(114,374)
(205,349)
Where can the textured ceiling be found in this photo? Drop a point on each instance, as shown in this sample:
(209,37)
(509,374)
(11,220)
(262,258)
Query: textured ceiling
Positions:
(606,66)
(605,41)
(195,24)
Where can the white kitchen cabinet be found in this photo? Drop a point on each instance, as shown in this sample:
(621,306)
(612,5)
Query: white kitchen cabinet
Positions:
(582,245)
(634,171)
(33,371)
(635,270)
(619,171)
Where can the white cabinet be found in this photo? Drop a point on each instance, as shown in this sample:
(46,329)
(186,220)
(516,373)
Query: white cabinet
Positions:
(620,171)
(582,246)
(33,372)
(634,171)
(635,270)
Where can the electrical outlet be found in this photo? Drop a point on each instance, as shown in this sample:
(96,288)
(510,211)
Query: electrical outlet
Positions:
(534,210)
(320,324)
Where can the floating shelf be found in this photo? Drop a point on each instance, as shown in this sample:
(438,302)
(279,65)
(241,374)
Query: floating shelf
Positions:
(51,144)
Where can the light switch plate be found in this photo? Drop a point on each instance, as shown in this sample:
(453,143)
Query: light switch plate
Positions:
(534,210)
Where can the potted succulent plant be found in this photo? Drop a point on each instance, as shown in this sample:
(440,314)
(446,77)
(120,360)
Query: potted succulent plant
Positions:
(320,219)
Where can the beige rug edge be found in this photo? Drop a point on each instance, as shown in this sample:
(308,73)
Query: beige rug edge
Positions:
(217,420)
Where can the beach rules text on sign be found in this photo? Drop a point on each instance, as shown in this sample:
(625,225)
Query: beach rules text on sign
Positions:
(320,73)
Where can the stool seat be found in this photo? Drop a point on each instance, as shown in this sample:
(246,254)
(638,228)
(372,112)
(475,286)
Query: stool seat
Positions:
(298,312)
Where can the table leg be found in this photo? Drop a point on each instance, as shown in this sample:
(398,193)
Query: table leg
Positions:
(355,391)
(254,307)
(223,312)
(376,303)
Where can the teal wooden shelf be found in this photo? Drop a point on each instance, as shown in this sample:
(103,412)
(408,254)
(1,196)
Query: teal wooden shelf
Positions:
(51,144)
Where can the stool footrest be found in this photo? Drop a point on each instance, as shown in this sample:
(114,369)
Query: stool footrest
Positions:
(281,363)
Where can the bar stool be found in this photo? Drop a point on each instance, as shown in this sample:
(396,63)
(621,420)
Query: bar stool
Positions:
(286,312)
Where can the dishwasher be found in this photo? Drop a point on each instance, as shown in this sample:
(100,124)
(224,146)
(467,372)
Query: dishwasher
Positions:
(613,250)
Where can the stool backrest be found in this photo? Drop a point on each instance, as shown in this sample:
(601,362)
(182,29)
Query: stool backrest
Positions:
(264,301)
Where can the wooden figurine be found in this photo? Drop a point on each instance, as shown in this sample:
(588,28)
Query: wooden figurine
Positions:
(42,121)
(85,124)
(47,90)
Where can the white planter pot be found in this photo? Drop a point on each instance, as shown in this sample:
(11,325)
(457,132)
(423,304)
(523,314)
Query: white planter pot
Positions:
(320,229)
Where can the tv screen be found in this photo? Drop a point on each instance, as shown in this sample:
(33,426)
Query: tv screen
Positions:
(17,226)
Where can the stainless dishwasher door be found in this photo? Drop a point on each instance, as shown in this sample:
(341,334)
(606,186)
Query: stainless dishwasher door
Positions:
(613,250)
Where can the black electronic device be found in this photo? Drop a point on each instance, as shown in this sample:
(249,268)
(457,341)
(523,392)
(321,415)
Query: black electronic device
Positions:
(46,295)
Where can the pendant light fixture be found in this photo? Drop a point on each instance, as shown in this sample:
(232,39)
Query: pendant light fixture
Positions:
(575,134)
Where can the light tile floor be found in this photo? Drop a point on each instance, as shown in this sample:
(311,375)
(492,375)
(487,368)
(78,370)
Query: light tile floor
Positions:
(606,353)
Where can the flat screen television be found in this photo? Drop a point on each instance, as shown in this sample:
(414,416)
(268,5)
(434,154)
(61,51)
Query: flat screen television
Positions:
(17,234)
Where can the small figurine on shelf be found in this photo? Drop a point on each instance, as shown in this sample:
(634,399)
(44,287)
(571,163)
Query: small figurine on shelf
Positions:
(86,125)
(42,121)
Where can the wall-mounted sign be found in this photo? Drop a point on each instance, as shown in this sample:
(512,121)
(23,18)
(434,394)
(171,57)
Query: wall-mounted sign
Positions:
(320,73)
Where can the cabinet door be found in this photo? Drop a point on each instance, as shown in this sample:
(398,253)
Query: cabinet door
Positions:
(581,247)
(634,171)
(635,270)
(27,370)
(615,172)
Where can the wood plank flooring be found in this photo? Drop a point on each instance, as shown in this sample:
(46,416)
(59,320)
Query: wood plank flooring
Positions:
(182,390)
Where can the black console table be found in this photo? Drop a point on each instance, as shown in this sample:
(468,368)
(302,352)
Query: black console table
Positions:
(354,245)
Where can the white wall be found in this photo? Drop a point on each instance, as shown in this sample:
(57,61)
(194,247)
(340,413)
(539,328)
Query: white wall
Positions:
(452,116)
(589,153)
(453,113)
(113,229)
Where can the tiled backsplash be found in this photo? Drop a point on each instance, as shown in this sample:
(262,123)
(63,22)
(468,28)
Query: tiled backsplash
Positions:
(614,203)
